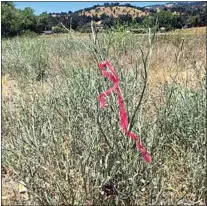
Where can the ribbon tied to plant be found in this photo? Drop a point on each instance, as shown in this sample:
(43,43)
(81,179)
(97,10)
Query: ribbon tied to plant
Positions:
(111,75)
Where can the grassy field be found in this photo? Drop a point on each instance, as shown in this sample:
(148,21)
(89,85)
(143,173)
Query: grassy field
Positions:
(191,31)
(60,148)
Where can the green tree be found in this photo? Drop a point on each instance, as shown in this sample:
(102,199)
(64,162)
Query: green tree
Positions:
(177,22)
(46,22)
(9,21)
(16,21)
(104,16)
(165,19)
(149,21)
(125,18)
(42,21)
(27,19)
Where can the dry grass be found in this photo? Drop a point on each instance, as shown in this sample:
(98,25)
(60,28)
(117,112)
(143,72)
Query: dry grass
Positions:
(191,31)
(52,142)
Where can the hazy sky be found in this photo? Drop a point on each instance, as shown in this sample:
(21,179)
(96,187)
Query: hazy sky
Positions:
(52,6)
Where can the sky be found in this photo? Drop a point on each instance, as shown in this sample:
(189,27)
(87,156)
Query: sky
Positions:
(52,6)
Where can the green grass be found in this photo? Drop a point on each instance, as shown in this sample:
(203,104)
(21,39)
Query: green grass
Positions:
(58,141)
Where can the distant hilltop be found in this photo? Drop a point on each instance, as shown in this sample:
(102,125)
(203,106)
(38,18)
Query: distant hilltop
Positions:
(116,9)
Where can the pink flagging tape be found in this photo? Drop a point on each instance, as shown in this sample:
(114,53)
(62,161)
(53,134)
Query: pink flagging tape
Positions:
(111,75)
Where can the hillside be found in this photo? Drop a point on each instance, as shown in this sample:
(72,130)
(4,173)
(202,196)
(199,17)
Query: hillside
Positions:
(115,11)
(173,15)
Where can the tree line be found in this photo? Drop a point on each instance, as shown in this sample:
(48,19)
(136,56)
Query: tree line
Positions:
(16,21)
